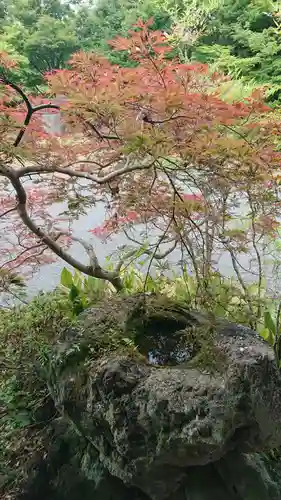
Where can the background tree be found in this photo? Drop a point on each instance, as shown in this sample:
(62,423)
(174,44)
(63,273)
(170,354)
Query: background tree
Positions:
(242,38)
(51,44)
(47,33)
(42,33)
(104,20)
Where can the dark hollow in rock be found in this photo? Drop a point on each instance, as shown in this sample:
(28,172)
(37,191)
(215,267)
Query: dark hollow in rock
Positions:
(165,341)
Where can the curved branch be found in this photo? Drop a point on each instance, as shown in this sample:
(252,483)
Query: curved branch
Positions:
(19,91)
(91,270)
(74,173)
(40,107)
(112,277)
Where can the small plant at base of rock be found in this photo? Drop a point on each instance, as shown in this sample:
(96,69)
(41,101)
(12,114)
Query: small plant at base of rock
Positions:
(82,290)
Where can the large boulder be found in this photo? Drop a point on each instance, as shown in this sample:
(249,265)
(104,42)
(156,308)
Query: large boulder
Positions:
(169,400)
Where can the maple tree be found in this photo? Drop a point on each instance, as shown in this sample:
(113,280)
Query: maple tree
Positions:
(156,142)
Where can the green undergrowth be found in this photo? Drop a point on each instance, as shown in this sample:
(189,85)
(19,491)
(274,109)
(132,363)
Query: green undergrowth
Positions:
(223,297)
(27,334)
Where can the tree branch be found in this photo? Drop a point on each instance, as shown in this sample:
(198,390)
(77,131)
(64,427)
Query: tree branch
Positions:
(149,251)
(30,110)
(32,247)
(93,269)
(112,277)
(74,173)
(14,175)
(100,135)
(8,212)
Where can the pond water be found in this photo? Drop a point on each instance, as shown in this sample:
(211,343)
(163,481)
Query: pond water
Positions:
(166,341)
(49,276)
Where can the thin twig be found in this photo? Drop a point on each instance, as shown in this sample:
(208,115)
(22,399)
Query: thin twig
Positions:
(277,338)
(8,212)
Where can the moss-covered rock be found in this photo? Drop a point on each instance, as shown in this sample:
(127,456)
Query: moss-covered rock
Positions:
(67,468)
(159,402)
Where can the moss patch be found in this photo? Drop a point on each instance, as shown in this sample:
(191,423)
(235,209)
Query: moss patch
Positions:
(153,328)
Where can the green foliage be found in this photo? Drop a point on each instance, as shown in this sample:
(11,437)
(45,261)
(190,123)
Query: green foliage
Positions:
(107,19)
(44,34)
(82,290)
(51,44)
(269,330)
(223,297)
(26,336)
(241,38)
(40,34)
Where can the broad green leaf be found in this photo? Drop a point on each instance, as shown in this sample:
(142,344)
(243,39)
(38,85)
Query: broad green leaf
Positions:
(235,300)
(78,279)
(253,289)
(220,311)
(66,278)
(267,335)
(74,293)
(269,323)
